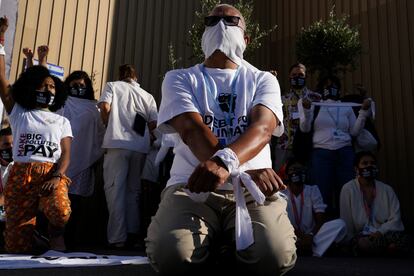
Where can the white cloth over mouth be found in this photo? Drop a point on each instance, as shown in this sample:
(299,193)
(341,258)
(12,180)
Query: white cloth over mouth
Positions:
(244,227)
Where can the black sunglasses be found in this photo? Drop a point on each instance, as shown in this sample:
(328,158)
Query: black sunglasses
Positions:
(228,20)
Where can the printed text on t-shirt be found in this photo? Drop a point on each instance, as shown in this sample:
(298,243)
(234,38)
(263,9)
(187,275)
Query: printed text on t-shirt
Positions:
(35,144)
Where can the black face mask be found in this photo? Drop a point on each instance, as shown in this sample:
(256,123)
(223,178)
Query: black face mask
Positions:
(369,172)
(44,98)
(7,154)
(297,177)
(79,92)
(330,92)
(297,82)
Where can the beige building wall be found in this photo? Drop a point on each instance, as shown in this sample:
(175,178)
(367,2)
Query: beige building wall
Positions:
(99,35)
(78,33)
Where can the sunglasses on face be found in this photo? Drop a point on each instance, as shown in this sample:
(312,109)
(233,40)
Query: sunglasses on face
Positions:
(210,21)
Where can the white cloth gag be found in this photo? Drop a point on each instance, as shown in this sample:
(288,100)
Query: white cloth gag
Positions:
(227,39)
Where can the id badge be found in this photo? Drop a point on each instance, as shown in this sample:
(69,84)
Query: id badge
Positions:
(340,135)
(294,115)
(368,229)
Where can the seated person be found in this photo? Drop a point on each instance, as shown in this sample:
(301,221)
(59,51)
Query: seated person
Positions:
(371,211)
(306,211)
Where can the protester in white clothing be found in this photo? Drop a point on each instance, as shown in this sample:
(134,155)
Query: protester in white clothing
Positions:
(225,112)
(130,114)
(82,112)
(371,211)
(332,128)
(306,211)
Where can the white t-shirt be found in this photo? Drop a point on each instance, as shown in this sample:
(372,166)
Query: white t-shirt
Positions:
(210,95)
(126,100)
(312,203)
(37,134)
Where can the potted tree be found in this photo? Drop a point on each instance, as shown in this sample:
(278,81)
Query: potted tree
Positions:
(329,47)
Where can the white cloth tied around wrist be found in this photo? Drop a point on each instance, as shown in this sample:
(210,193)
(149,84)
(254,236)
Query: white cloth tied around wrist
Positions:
(244,227)
(2,51)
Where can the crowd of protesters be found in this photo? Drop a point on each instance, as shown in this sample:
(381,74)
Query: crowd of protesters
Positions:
(218,117)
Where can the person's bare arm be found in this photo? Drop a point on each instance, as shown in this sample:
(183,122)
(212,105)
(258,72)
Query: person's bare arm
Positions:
(257,135)
(62,166)
(105,109)
(5,94)
(151,126)
(211,172)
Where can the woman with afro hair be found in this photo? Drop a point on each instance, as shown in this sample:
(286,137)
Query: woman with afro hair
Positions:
(41,152)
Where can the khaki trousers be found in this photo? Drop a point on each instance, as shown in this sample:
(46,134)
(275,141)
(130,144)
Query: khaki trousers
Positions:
(122,183)
(183,234)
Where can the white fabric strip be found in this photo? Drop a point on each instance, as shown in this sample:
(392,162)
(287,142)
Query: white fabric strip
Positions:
(244,227)
(345,104)
(229,158)
(2,51)
(336,104)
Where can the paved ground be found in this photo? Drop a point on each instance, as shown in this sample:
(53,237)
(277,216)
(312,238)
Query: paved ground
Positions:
(305,266)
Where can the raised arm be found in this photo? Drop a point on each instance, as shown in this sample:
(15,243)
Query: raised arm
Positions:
(4,83)
(42,52)
(28,53)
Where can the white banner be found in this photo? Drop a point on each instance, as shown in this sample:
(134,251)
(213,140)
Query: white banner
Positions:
(59,259)
(54,69)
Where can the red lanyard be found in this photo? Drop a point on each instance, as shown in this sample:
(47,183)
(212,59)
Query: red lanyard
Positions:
(369,207)
(298,218)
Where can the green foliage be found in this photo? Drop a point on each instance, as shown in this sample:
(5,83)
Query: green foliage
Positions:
(246,9)
(329,47)
(172,60)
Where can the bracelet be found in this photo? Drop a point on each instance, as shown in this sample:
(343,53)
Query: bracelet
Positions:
(229,158)
(2,51)
(60,175)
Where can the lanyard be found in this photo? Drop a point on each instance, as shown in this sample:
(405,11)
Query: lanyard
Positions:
(369,208)
(337,117)
(298,217)
(210,93)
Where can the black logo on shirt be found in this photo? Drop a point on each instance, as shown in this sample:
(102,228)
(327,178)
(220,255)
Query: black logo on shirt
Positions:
(226,101)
